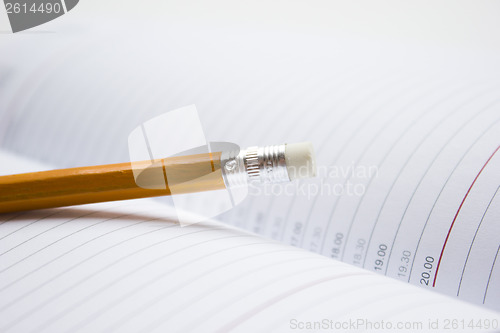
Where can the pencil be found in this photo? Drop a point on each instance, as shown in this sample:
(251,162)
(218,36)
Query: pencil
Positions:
(172,175)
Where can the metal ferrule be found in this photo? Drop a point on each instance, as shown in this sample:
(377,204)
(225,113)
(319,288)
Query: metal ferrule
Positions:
(265,165)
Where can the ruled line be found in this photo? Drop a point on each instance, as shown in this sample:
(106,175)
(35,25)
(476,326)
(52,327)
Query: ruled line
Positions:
(20,278)
(134,291)
(61,238)
(334,162)
(321,148)
(277,279)
(444,186)
(320,304)
(489,277)
(54,213)
(256,310)
(81,262)
(83,280)
(386,155)
(435,158)
(456,215)
(25,226)
(367,148)
(251,201)
(119,322)
(473,240)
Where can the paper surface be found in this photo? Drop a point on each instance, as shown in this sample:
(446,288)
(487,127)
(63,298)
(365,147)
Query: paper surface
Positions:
(412,125)
(125,267)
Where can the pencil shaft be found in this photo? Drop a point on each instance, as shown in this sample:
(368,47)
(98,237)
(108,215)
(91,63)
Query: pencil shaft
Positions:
(76,186)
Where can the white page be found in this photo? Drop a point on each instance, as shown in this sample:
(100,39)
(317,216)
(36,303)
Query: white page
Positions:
(126,267)
(425,116)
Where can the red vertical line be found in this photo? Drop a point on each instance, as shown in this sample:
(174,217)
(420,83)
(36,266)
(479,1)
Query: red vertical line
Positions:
(458,212)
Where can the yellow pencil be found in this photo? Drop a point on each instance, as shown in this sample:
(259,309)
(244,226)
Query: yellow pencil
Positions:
(181,174)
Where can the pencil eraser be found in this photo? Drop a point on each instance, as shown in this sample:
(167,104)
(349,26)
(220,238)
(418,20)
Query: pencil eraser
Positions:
(300,160)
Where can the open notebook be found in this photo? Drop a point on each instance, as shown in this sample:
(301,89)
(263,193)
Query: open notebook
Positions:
(408,145)
(126,267)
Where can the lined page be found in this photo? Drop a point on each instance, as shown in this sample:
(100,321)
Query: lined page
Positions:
(127,268)
(409,135)
(426,215)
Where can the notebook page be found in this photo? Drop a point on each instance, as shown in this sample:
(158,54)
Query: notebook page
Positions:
(428,208)
(416,135)
(126,267)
